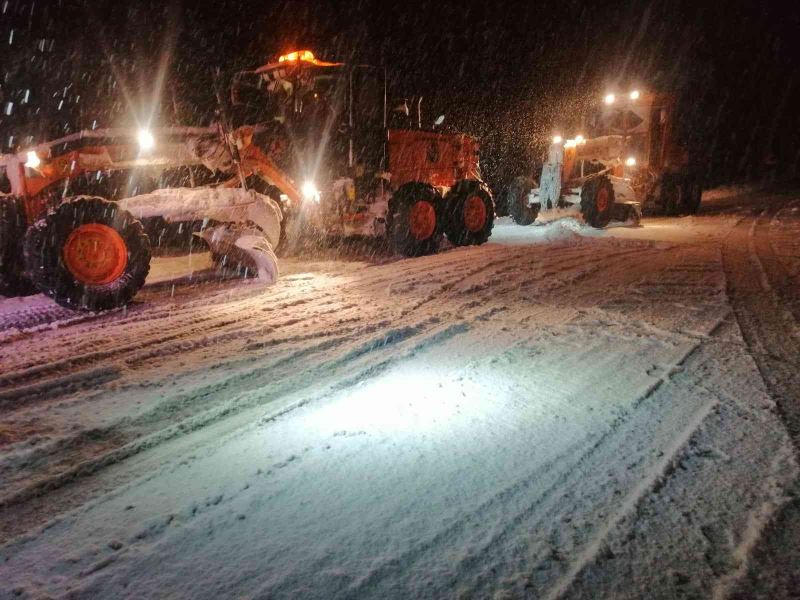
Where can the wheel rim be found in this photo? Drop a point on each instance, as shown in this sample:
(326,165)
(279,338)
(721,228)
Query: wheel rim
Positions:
(474,214)
(422,220)
(95,254)
(601,200)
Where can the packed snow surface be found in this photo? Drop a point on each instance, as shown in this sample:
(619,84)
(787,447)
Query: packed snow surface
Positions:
(562,412)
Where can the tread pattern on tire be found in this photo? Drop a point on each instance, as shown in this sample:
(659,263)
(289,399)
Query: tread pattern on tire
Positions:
(454,202)
(44,263)
(520,212)
(397,225)
(594,217)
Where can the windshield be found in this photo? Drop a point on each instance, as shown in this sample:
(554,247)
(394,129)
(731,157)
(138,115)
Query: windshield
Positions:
(295,94)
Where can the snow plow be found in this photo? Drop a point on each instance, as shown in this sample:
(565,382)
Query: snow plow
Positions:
(303,148)
(60,237)
(630,164)
(328,126)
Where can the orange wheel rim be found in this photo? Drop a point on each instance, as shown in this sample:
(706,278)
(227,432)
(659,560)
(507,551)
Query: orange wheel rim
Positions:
(422,220)
(95,254)
(602,199)
(474,214)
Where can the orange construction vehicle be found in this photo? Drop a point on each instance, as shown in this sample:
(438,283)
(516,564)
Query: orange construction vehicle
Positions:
(361,169)
(626,161)
(304,146)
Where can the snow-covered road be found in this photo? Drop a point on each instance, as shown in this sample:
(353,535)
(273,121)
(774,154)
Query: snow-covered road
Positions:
(559,413)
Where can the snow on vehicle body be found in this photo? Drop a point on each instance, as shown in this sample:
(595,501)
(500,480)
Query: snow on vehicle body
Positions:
(629,163)
(327,125)
(58,236)
(313,152)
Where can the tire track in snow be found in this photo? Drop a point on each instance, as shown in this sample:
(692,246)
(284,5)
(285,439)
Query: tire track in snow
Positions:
(353,375)
(765,305)
(568,471)
(77,455)
(151,320)
(441,538)
(628,273)
(767,324)
(191,326)
(227,382)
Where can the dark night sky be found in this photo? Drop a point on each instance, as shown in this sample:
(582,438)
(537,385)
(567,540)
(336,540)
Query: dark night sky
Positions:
(508,72)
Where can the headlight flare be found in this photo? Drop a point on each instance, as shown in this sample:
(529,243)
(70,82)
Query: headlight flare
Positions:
(557,139)
(310,191)
(609,99)
(146,140)
(630,161)
(33,160)
(635,95)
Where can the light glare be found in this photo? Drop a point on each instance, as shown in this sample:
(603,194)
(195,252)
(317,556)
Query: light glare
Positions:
(146,140)
(556,139)
(635,95)
(310,191)
(33,160)
(631,161)
(609,99)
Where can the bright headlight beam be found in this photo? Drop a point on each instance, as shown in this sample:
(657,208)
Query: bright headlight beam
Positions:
(310,191)
(635,95)
(33,160)
(609,99)
(146,140)
(630,161)
(557,139)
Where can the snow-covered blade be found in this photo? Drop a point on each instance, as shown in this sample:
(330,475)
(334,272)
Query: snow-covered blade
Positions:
(243,245)
(250,222)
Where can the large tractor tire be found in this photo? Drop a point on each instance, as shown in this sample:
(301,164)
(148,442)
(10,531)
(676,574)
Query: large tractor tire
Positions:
(678,194)
(88,254)
(12,233)
(470,214)
(516,200)
(672,195)
(415,223)
(597,201)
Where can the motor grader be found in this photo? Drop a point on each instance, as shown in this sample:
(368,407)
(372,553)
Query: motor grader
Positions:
(90,251)
(328,125)
(629,162)
(302,148)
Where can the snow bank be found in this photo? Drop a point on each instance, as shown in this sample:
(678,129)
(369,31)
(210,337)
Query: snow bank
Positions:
(567,229)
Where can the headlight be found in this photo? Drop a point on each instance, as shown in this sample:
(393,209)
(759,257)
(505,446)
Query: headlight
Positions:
(33,159)
(310,191)
(146,140)
(579,139)
(556,139)
(609,99)
(630,161)
(635,95)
